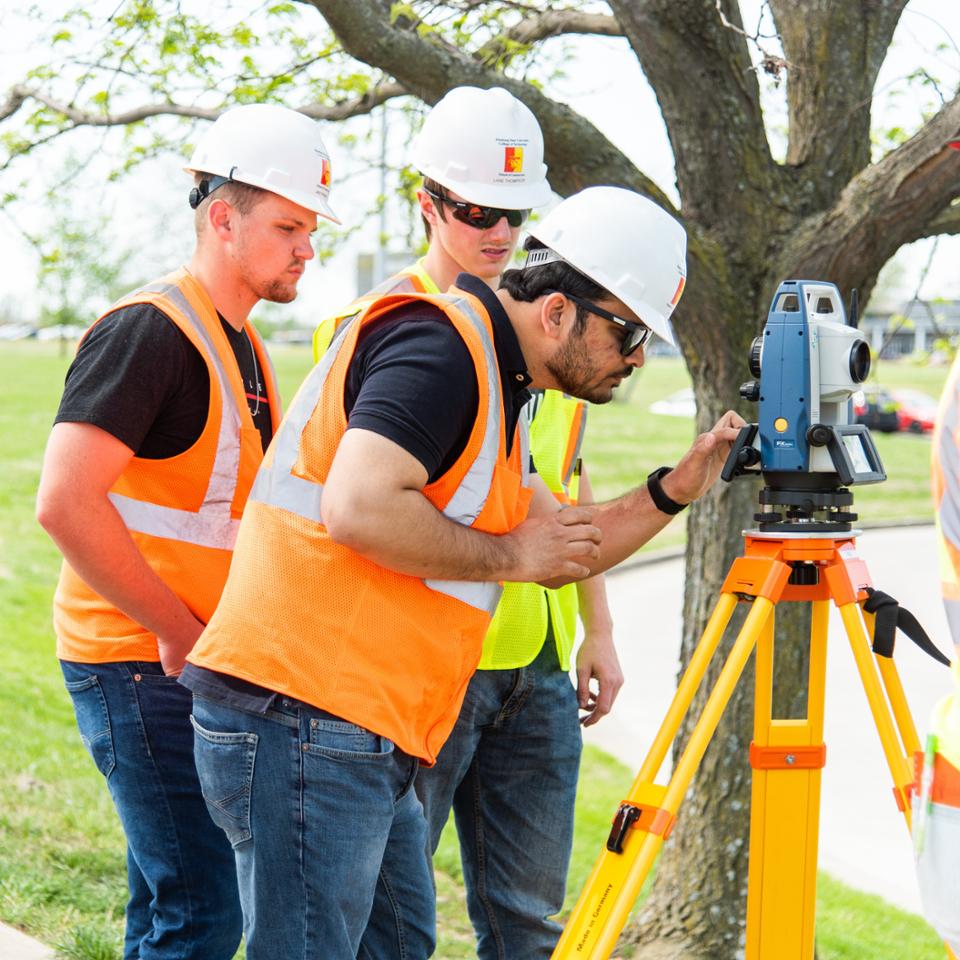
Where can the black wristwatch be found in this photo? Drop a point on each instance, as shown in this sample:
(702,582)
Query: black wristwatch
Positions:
(661,501)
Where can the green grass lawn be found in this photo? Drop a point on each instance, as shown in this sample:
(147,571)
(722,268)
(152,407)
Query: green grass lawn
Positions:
(61,850)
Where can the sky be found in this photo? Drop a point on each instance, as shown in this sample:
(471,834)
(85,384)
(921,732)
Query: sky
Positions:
(150,218)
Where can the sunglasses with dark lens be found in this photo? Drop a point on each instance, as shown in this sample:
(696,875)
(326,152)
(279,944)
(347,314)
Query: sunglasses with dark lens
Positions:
(475,215)
(637,333)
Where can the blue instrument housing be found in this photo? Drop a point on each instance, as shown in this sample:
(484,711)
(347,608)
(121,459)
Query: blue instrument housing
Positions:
(785,381)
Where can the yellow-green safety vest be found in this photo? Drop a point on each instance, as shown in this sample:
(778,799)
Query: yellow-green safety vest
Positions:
(412,279)
(519,627)
(557,424)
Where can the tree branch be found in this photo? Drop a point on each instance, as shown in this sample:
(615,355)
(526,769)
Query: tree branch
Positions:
(578,154)
(552,23)
(947,222)
(15,99)
(830,86)
(20,93)
(376,95)
(899,199)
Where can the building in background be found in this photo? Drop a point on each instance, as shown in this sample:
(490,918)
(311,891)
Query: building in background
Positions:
(912,327)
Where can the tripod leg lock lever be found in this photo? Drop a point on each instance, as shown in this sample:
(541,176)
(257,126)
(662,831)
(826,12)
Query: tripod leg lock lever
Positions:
(650,819)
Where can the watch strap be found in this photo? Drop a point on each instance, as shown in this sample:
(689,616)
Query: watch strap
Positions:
(661,500)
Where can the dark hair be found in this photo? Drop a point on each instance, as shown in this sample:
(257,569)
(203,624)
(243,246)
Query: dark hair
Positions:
(241,196)
(431,186)
(532,283)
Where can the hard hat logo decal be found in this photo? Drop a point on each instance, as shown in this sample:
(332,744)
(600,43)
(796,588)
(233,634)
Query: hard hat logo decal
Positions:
(325,173)
(678,293)
(513,159)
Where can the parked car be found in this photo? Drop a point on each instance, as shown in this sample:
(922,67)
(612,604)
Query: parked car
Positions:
(916,411)
(876,407)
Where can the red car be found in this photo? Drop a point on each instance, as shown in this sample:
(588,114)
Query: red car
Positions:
(916,411)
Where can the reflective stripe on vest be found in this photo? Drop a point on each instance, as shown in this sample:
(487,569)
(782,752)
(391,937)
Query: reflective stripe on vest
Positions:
(937,815)
(945,480)
(412,279)
(211,525)
(277,486)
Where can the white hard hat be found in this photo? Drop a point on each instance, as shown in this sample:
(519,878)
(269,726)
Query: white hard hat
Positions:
(271,147)
(486,146)
(624,242)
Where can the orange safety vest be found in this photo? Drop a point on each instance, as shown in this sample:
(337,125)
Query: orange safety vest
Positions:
(315,620)
(183,512)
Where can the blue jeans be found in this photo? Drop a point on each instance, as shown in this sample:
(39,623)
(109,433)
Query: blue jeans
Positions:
(328,835)
(135,722)
(509,771)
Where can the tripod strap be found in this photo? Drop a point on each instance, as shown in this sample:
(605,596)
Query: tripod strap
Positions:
(890,615)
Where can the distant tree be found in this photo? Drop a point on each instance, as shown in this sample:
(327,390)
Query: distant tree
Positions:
(830,210)
(79,275)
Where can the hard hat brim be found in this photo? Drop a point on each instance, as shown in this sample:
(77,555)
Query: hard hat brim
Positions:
(653,318)
(313,202)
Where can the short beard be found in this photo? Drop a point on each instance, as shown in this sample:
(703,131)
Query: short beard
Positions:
(276,291)
(571,368)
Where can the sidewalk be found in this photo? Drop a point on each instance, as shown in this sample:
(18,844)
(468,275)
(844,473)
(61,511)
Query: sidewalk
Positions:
(863,840)
(15,945)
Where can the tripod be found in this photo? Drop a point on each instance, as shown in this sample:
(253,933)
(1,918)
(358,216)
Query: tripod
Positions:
(800,560)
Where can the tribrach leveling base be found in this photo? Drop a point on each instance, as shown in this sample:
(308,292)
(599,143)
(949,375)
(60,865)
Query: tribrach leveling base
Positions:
(786,755)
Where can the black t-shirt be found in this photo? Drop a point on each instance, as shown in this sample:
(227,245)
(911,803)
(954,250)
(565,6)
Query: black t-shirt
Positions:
(137,376)
(412,380)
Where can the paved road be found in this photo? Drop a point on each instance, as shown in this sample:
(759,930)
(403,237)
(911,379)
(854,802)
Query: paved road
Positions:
(863,840)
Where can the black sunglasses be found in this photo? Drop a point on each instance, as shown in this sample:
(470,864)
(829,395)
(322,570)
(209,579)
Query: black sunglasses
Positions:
(637,333)
(475,215)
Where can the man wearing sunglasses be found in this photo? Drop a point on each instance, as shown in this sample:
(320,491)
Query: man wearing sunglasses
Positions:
(367,570)
(481,156)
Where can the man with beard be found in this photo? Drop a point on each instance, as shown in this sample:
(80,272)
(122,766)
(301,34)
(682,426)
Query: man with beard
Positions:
(369,561)
(168,408)
(520,711)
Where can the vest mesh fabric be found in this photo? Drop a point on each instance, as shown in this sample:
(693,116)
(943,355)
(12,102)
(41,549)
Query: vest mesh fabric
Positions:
(182,512)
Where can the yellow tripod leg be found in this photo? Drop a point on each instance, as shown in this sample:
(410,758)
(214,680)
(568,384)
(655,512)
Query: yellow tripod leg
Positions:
(900,768)
(787,757)
(618,875)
